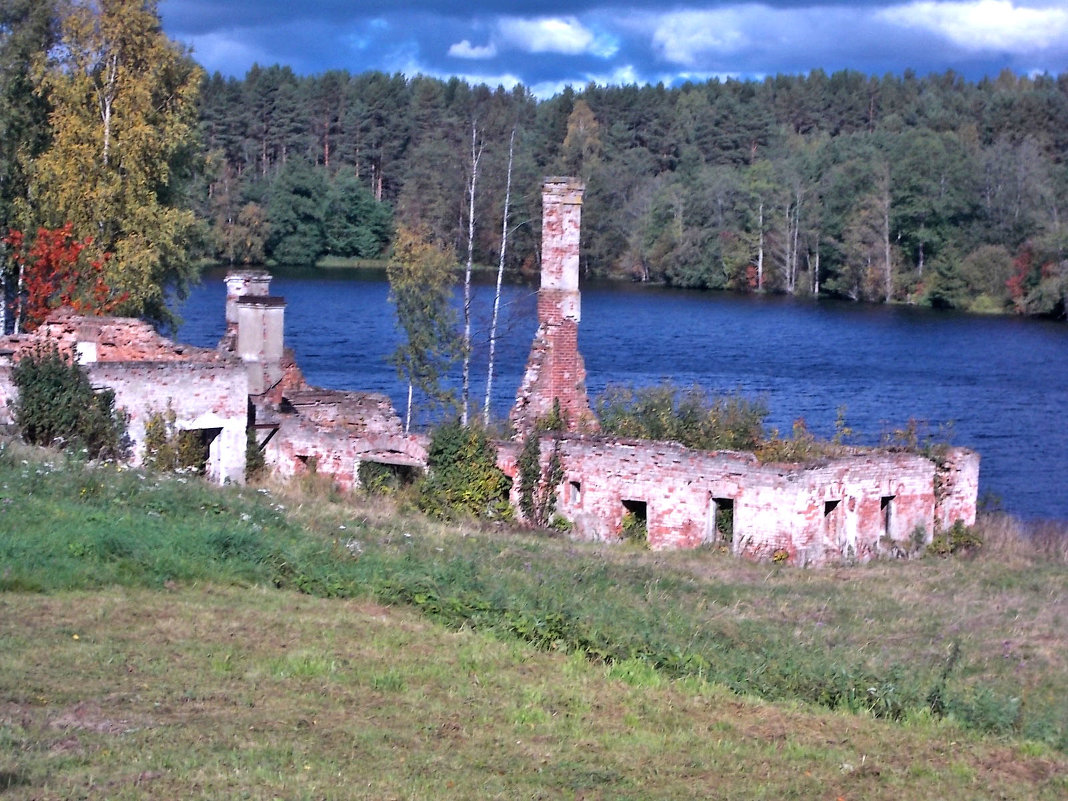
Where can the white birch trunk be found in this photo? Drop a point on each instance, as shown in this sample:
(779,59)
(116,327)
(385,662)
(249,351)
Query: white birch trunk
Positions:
(888,264)
(408,411)
(476,155)
(760,249)
(500,276)
(816,271)
(19,299)
(106,97)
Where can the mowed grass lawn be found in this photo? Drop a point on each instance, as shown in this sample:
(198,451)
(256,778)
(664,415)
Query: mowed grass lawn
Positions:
(163,639)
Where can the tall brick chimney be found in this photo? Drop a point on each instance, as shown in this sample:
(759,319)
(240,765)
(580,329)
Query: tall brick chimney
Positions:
(555,371)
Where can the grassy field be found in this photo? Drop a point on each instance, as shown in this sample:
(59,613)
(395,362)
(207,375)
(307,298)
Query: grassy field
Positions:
(160,638)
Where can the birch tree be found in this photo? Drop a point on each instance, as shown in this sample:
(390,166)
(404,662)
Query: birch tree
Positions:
(123,130)
(500,277)
(420,278)
(476,157)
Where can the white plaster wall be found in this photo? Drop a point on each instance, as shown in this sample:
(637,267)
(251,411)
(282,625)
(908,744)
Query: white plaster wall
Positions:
(212,396)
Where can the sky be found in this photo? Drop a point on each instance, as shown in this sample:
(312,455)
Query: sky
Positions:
(548,44)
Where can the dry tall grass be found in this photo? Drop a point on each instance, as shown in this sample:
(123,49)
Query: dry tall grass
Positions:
(1010,539)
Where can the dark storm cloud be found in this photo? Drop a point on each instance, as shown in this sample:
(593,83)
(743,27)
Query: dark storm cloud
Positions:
(548,44)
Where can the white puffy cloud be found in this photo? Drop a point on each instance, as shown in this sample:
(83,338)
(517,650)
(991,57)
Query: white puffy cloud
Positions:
(682,37)
(985,24)
(465,49)
(565,35)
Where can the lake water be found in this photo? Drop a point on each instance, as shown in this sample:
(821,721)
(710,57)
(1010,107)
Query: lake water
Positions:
(999,384)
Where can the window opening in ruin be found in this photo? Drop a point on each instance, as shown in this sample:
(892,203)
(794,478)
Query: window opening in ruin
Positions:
(194,448)
(574,493)
(382,478)
(720,520)
(830,516)
(886,507)
(310,462)
(635,526)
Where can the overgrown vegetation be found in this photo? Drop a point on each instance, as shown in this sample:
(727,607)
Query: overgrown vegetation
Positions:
(463,478)
(959,539)
(537,486)
(57,406)
(690,416)
(695,418)
(698,419)
(634,529)
(385,479)
(255,461)
(168,448)
(699,616)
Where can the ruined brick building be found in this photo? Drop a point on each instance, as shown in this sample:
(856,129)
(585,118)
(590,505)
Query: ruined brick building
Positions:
(851,507)
(301,427)
(249,381)
(855,506)
(206,389)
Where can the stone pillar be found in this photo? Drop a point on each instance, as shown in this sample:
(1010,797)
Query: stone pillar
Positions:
(243,284)
(555,371)
(260,340)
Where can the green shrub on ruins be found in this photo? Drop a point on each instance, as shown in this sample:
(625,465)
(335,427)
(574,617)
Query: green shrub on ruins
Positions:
(691,417)
(169,449)
(635,529)
(537,487)
(377,478)
(255,462)
(464,478)
(57,406)
(958,540)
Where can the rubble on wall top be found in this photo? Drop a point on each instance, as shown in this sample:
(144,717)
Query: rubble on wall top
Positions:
(364,411)
(564,185)
(249,273)
(117,339)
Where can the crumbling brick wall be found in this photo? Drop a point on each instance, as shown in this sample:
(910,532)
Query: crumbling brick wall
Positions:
(956,487)
(848,508)
(333,432)
(205,396)
(206,389)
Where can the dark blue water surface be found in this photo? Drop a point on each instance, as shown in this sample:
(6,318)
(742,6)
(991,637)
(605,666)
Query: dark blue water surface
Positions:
(998,384)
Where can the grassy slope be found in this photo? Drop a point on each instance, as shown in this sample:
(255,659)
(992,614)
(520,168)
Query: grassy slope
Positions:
(213,692)
(207,684)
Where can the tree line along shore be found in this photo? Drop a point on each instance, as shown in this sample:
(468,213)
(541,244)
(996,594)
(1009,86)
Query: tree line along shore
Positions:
(902,188)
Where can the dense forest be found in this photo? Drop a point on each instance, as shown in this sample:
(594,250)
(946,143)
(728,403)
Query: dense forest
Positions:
(919,189)
(932,190)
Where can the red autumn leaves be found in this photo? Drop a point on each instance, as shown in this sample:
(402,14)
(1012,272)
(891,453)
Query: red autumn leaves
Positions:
(55,270)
